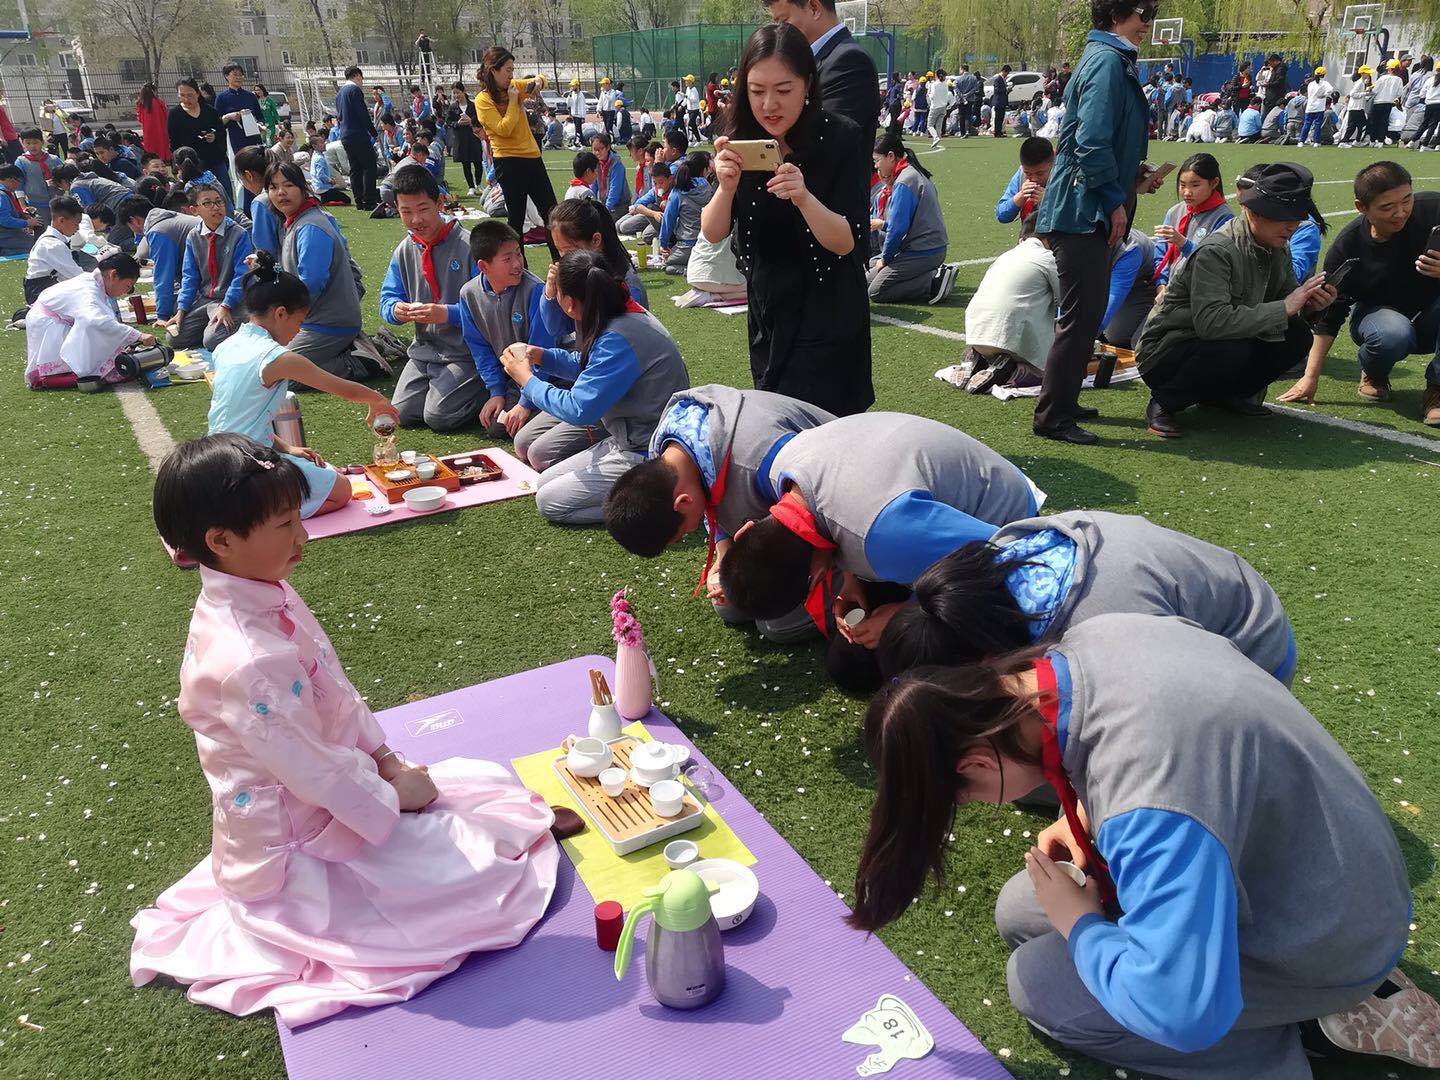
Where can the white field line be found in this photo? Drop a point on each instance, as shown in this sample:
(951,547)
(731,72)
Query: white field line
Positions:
(150,432)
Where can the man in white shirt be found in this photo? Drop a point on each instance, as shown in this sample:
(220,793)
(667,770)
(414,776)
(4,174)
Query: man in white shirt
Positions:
(1388,89)
(940,100)
(578,107)
(607,106)
(1317,100)
(52,259)
(692,108)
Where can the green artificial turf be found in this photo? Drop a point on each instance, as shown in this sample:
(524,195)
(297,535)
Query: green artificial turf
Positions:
(103,805)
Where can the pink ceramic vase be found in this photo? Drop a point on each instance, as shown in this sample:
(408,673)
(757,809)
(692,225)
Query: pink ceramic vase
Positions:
(632,681)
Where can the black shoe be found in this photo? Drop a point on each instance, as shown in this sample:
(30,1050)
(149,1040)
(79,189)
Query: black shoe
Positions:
(1084,412)
(1243,407)
(1162,423)
(1070,433)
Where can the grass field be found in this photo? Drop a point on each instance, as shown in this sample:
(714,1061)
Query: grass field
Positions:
(103,805)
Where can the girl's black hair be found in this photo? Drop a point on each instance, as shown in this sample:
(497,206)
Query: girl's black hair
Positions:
(962,611)
(292,173)
(226,481)
(891,143)
(581,219)
(917,730)
(690,168)
(268,287)
(788,44)
(766,572)
(1204,166)
(187,163)
(586,276)
(188,80)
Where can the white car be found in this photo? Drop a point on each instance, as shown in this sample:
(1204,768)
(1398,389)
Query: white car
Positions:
(1024,85)
(560,102)
(75,109)
(282,104)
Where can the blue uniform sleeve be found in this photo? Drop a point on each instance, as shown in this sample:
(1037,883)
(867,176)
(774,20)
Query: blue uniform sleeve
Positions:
(265,230)
(561,364)
(898,216)
(668,220)
(914,531)
(1122,280)
(314,252)
(235,293)
(612,370)
(1305,251)
(83,194)
(189,281)
(540,333)
(487,363)
(555,320)
(393,291)
(647,199)
(9,219)
(165,254)
(1169,970)
(615,197)
(1005,210)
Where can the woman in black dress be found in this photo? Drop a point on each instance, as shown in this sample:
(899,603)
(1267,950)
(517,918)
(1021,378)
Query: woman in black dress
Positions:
(197,125)
(800,235)
(465,146)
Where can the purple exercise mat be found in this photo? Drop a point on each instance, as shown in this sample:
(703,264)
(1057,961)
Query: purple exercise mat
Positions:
(797,976)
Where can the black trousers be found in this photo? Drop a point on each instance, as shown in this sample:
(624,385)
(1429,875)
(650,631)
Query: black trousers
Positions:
(999,107)
(1212,372)
(521,179)
(1380,122)
(1083,260)
(1429,132)
(364,170)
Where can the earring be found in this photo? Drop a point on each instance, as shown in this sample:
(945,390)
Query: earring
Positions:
(807,99)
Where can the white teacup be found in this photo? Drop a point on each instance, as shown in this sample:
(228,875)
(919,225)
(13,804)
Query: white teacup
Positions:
(613,781)
(407,456)
(681,853)
(667,797)
(425,470)
(1073,872)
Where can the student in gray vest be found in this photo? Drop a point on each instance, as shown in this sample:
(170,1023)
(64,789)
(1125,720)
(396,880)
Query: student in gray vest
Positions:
(1132,290)
(625,369)
(1038,577)
(915,237)
(690,193)
(707,454)
(91,189)
(440,387)
(210,305)
(498,307)
(167,228)
(1264,896)
(879,496)
(314,249)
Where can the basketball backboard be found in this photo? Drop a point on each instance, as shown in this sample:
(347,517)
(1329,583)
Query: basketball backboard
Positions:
(854,14)
(1167,32)
(1362,18)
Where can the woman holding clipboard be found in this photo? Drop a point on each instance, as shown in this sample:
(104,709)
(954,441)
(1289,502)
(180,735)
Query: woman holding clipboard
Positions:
(519,168)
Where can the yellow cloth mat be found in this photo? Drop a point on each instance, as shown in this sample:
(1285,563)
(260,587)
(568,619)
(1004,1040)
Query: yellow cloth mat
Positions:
(609,876)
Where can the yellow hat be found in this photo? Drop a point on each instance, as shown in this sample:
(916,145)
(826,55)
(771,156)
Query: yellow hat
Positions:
(574,82)
(605,82)
(724,82)
(1365,70)
(1392,64)
(929,74)
(1320,71)
(689,78)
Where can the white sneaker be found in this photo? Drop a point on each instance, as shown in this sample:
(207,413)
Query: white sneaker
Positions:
(472,192)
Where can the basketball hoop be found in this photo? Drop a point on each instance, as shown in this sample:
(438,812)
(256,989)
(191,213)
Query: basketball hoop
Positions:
(855,14)
(1167,32)
(1363,19)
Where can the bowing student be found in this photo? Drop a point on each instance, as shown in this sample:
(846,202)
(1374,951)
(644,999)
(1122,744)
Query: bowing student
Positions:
(1038,577)
(212,274)
(1261,919)
(52,257)
(167,230)
(440,387)
(73,331)
(622,372)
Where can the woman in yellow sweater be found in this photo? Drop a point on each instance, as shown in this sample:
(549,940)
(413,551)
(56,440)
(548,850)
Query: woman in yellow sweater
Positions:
(518,166)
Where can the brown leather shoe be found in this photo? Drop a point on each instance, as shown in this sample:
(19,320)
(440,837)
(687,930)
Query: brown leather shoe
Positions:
(1430,406)
(1374,389)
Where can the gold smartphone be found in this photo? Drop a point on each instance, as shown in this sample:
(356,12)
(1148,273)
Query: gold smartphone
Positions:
(757,155)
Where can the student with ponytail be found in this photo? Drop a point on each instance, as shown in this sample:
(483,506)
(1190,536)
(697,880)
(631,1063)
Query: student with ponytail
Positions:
(680,224)
(915,238)
(582,224)
(1244,890)
(1036,578)
(624,369)
(254,369)
(1201,210)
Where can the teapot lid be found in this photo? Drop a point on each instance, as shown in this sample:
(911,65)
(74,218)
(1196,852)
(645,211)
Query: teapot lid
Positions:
(682,900)
(651,755)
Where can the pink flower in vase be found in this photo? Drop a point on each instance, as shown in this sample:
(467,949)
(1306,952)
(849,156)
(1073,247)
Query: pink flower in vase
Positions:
(618,603)
(626,630)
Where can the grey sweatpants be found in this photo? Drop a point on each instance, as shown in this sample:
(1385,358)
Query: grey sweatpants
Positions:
(195,328)
(907,278)
(1047,990)
(678,259)
(572,492)
(545,441)
(790,628)
(637,225)
(440,395)
(330,352)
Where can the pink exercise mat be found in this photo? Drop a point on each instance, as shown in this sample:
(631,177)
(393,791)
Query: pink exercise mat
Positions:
(797,976)
(519,481)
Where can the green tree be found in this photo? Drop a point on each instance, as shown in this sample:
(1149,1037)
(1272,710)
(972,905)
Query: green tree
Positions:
(747,12)
(1304,26)
(1015,31)
(160,30)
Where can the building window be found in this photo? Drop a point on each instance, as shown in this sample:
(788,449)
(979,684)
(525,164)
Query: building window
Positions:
(287,57)
(362,56)
(475,55)
(133,71)
(26,60)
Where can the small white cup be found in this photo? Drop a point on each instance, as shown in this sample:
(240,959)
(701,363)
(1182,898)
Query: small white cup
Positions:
(407,456)
(854,617)
(613,781)
(425,470)
(680,854)
(1072,871)
(667,797)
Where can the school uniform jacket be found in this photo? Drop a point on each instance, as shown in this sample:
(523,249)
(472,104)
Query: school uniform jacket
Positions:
(1259,879)
(203,281)
(1201,226)
(37,170)
(1125,563)
(265,225)
(610,183)
(742,432)
(561,326)
(491,322)
(315,251)
(633,370)
(914,225)
(431,276)
(895,492)
(91,189)
(680,224)
(12,212)
(1132,288)
(165,234)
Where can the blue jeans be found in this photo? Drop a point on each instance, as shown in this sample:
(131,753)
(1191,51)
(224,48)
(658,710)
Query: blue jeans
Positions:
(1386,337)
(1313,120)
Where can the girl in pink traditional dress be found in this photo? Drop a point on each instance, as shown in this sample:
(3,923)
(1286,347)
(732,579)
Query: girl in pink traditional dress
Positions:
(339,874)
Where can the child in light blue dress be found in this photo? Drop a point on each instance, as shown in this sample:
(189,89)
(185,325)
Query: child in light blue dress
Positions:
(254,369)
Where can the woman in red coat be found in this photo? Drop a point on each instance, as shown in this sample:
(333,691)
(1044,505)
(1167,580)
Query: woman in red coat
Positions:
(153,115)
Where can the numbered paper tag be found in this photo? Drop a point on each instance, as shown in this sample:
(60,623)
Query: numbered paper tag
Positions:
(896,1030)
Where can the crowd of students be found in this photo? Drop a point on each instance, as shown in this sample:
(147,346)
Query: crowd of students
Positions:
(1088,661)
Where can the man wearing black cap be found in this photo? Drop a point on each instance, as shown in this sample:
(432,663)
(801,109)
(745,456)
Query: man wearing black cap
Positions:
(1231,322)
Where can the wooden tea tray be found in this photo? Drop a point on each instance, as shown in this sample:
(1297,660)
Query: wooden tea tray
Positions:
(628,823)
(490,469)
(444,477)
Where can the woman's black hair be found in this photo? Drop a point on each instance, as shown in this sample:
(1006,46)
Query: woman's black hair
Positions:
(226,481)
(891,143)
(268,287)
(691,168)
(292,173)
(1204,166)
(581,219)
(189,80)
(917,730)
(1104,14)
(962,611)
(586,276)
(187,163)
(784,41)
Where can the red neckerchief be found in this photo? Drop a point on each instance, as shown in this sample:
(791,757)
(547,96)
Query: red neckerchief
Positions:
(1055,773)
(606,168)
(888,190)
(39,159)
(797,517)
(632,307)
(308,204)
(212,264)
(577,182)
(15,204)
(427,259)
(640,180)
(712,504)
(1172,252)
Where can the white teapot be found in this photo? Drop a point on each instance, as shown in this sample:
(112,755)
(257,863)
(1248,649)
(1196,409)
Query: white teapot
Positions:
(587,757)
(652,762)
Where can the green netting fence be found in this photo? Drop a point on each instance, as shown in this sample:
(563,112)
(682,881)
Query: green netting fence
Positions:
(646,60)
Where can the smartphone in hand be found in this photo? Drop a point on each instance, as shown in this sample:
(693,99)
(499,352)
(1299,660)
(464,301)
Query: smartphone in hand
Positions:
(1335,279)
(757,155)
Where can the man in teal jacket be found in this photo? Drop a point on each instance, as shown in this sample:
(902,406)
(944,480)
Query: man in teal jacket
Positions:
(1090,200)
